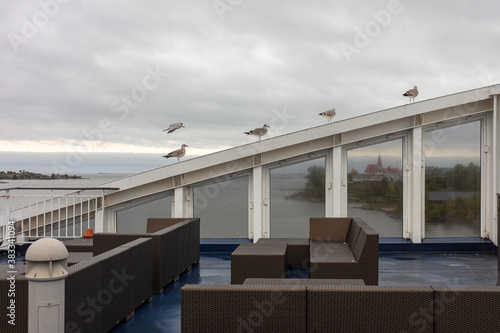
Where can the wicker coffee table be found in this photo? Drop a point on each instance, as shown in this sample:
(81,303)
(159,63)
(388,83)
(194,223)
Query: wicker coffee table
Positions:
(258,261)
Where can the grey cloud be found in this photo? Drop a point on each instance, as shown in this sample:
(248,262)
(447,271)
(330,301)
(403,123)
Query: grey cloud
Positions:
(227,74)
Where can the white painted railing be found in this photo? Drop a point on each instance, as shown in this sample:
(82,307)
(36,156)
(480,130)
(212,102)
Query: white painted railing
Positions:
(27,214)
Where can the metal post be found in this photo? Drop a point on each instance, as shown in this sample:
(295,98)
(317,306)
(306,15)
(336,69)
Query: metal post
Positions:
(7,212)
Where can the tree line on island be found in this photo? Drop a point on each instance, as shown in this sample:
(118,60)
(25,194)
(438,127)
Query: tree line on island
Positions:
(459,187)
(23,174)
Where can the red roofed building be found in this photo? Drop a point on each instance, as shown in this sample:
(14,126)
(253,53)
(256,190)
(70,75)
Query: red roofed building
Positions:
(375,172)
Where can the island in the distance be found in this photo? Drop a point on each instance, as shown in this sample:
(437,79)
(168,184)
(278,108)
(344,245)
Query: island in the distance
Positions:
(23,174)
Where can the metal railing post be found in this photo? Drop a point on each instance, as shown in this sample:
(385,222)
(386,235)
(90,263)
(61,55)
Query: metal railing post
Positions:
(7,213)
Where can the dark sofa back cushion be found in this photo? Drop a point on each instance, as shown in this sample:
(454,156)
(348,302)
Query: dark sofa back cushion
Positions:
(107,241)
(352,235)
(329,229)
(157,223)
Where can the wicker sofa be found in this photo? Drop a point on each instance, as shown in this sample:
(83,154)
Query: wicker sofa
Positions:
(337,248)
(343,248)
(118,280)
(115,283)
(344,307)
(176,247)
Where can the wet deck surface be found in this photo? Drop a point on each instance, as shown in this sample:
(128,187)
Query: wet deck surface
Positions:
(427,269)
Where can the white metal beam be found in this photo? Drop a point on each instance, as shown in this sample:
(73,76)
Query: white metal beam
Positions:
(495,165)
(256,202)
(338,188)
(178,203)
(329,193)
(415,192)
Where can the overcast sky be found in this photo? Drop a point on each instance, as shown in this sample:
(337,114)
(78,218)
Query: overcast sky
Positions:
(109,76)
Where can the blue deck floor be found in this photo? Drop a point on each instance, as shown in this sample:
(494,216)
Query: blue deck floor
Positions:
(163,314)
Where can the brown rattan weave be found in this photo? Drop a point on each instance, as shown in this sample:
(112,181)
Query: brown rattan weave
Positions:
(243,308)
(353,308)
(297,250)
(20,298)
(265,260)
(305,282)
(461,309)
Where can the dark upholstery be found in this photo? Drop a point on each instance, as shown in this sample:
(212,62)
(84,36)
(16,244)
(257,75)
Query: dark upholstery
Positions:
(84,280)
(305,282)
(353,254)
(176,247)
(99,291)
(21,298)
(374,309)
(243,308)
(264,260)
(165,257)
(79,244)
(278,305)
(141,286)
(183,251)
(329,229)
(107,288)
(297,250)
(155,224)
(461,309)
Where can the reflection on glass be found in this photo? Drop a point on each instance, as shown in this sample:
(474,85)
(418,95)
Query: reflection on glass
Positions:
(297,193)
(134,220)
(375,186)
(222,208)
(453,181)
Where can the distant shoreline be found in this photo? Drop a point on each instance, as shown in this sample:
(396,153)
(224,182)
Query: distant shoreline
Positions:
(27,175)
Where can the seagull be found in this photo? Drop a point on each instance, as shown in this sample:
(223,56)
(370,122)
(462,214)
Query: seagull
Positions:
(258,131)
(177,153)
(173,127)
(412,93)
(328,114)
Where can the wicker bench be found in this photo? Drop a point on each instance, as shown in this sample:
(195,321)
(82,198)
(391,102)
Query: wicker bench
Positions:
(276,305)
(176,247)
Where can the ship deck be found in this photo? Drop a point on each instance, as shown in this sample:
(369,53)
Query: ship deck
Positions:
(395,268)
(432,265)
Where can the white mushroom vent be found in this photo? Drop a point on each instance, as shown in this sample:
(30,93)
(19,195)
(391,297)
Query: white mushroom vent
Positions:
(46,259)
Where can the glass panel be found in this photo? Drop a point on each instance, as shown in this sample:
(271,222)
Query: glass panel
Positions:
(453,181)
(297,193)
(222,208)
(375,186)
(134,220)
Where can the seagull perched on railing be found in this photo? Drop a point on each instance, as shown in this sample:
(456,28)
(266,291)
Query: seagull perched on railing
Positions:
(328,114)
(411,93)
(258,131)
(173,127)
(177,153)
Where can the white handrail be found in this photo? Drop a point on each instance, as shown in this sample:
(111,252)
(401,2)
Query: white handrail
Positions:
(38,215)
